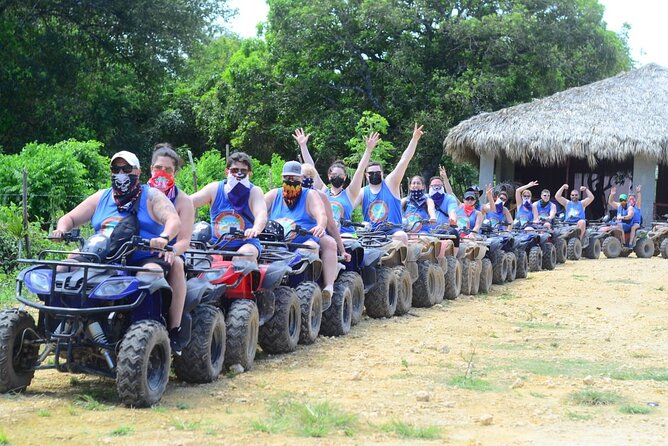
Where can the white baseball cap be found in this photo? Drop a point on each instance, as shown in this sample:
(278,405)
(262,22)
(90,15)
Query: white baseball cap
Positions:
(129,158)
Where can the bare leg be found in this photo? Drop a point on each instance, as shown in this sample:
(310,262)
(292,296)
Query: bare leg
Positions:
(329,262)
(632,236)
(248,248)
(582,225)
(177,280)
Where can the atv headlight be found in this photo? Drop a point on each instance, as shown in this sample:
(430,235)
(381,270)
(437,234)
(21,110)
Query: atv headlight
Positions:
(39,281)
(115,288)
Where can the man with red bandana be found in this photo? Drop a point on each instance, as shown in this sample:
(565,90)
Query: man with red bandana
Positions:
(165,162)
(235,203)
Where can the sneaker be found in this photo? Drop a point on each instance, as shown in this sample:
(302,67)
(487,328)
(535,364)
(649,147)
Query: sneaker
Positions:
(326,297)
(175,340)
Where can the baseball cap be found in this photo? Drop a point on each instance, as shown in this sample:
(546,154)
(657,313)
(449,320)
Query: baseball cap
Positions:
(623,197)
(470,194)
(129,158)
(292,168)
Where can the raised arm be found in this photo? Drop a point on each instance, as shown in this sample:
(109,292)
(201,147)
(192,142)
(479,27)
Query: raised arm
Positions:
(519,190)
(393,180)
(560,195)
(355,186)
(205,196)
(638,196)
(302,140)
(259,209)
(446,182)
(490,199)
(611,200)
(590,197)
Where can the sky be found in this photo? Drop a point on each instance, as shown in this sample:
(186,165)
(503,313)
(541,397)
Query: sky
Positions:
(648,38)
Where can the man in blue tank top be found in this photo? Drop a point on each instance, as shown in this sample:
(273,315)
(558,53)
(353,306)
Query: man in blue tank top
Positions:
(292,205)
(158,220)
(545,209)
(627,214)
(235,204)
(575,208)
(445,203)
(381,199)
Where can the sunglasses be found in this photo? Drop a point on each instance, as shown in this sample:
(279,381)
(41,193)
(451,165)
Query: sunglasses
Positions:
(167,169)
(437,187)
(238,170)
(574,195)
(125,168)
(526,196)
(469,199)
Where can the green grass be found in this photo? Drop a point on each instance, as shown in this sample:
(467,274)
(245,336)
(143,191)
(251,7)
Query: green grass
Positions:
(539,326)
(661,289)
(72,410)
(7,291)
(122,431)
(409,431)
(580,277)
(575,416)
(305,419)
(592,397)
(4,439)
(635,409)
(470,383)
(641,375)
(566,367)
(624,281)
(186,425)
(183,406)
(43,413)
(89,402)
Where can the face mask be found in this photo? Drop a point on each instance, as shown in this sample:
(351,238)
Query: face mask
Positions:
(337,182)
(291,192)
(164,182)
(125,188)
(234,180)
(526,203)
(499,205)
(632,201)
(436,195)
(307,183)
(418,197)
(469,208)
(544,202)
(375,178)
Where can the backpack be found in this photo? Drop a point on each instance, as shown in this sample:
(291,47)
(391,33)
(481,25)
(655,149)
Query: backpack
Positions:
(124,230)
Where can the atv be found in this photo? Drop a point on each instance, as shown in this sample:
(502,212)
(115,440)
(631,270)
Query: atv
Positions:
(99,318)
(500,252)
(659,237)
(615,243)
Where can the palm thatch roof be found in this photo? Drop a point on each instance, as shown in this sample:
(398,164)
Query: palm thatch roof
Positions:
(612,119)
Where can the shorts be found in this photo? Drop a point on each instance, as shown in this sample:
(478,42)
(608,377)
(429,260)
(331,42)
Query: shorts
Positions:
(627,227)
(305,238)
(234,245)
(153,259)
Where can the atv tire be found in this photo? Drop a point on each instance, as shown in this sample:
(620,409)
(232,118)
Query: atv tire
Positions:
(356,286)
(243,329)
(453,278)
(522,264)
(404,290)
(144,360)
(550,256)
(16,360)
(486,273)
(337,318)
(280,334)
(471,275)
(536,258)
(381,301)
(512,266)
(664,248)
(310,299)
(562,250)
(593,251)
(202,360)
(574,249)
(644,248)
(612,247)
(499,267)
(428,289)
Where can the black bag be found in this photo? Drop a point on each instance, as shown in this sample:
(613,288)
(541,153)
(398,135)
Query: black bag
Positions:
(124,230)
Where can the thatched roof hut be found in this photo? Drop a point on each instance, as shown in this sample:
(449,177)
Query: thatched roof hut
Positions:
(613,119)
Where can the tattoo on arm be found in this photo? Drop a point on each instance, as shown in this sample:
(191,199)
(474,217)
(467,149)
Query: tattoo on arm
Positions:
(162,207)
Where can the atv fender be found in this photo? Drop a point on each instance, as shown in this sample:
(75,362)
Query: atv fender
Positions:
(274,274)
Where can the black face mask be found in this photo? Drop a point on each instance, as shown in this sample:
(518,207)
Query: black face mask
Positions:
(337,181)
(375,178)
(307,183)
(125,189)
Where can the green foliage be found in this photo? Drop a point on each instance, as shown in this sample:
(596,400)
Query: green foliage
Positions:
(4,438)
(592,397)
(470,383)
(635,409)
(122,431)
(370,122)
(60,176)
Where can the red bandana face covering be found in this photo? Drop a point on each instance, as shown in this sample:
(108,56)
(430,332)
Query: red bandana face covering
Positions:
(164,182)
(468,209)
(291,192)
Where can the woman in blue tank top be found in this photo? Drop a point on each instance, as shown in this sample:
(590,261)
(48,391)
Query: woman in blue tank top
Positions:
(418,207)
(468,217)
(498,213)
(341,197)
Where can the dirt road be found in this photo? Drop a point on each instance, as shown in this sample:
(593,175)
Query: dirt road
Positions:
(578,355)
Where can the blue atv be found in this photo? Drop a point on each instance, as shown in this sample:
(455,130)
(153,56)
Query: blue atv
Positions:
(99,318)
(501,252)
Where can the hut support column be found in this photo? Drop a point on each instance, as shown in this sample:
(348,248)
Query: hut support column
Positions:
(486,171)
(644,174)
(505,169)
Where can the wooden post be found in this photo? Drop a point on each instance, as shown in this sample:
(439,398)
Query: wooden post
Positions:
(227,152)
(25,213)
(192,166)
